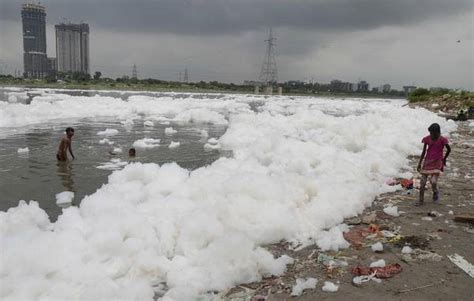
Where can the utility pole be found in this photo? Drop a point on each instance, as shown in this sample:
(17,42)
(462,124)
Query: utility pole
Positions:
(269,71)
(134,72)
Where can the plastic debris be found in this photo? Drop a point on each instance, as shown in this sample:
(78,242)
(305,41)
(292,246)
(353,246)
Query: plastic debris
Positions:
(330,287)
(412,241)
(462,263)
(387,271)
(434,214)
(420,255)
(355,236)
(378,264)
(406,183)
(302,284)
(377,247)
(358,280)
(391,210)
(451,212)
(353,221)
(369,219)
(427,218)
(407,250)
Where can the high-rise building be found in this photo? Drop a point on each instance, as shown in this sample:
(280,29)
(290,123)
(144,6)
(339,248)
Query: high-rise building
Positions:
(72,47)
(35,61)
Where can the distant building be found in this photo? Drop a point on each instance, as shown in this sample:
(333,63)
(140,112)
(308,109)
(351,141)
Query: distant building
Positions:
(385,88)
(362,86)
(72,47)
(52,65)
(408,89)
(35,61)
(339,86)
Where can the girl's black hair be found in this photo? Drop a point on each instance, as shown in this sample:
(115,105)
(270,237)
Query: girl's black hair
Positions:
(435,128)
(69,129)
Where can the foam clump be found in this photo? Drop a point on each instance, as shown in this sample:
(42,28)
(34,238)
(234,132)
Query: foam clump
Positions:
(106,141)
(330,287)
(146,143)
(108,132)
(378,264)
(407,250)
(148,123)
(174,144)
(64,198)
(377,247)
(391,210)
(170,131)
(302,284)
(23,150)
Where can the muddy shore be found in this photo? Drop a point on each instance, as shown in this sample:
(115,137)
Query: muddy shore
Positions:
(427,273)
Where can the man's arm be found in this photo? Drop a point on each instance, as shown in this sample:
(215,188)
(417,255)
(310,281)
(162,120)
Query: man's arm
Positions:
(423,153)
(70,149)
(448,151)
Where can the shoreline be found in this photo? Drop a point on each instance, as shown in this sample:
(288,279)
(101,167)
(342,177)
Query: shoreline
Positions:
(434,277)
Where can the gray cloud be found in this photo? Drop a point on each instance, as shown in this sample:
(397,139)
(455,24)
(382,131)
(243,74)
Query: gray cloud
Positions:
(210,17)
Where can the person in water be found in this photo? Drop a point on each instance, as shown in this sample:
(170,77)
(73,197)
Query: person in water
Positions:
(433,161)
(132,153)
(65,145)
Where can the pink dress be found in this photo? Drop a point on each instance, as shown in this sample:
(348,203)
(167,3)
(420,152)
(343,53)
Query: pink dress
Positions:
(433,163)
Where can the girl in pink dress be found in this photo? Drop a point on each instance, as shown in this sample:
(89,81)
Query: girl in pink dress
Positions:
(433,162)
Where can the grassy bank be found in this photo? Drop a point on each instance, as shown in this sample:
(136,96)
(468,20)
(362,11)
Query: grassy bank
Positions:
(444,100)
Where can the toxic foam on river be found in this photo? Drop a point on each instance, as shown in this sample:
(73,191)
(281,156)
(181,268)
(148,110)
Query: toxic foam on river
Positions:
(297,170)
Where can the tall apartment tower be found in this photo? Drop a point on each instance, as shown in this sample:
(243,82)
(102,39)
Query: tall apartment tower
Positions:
(72,47)
(35,61)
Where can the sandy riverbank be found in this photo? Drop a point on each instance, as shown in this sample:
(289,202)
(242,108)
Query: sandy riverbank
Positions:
(434,278)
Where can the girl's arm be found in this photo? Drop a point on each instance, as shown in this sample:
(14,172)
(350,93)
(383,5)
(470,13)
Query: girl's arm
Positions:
(423,153)
(448,151)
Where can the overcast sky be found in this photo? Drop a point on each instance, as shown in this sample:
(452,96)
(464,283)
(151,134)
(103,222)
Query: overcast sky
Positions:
(382,41)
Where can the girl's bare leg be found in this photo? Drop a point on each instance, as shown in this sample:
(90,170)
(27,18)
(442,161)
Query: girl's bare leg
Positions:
(421,198)
(434,186)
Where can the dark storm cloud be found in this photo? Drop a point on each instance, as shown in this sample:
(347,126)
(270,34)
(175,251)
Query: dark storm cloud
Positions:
(210,17)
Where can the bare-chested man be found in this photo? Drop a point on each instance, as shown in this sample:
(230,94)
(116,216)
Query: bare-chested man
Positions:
(65,145)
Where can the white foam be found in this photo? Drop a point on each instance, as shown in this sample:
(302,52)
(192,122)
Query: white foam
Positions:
(406,250)
(377,247)
(170,131)
(174,144)
(298,168)
(391,210)
(108,132)
(378,264)
(148,123)
(302,284)
(64,198)
(23,150)
(146,143)
(330,287)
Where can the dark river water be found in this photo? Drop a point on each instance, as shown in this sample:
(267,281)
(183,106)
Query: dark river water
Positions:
(36,175)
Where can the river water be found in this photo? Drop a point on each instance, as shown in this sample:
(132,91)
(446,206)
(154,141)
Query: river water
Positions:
(38,176)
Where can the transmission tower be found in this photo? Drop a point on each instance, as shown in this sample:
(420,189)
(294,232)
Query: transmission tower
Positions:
(134,72)
(269,72)
(186,75)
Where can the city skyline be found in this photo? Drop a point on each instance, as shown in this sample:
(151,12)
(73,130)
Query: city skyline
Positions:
(399,44)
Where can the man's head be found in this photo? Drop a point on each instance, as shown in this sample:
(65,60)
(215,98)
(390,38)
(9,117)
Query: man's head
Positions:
(131,152)
(69,132)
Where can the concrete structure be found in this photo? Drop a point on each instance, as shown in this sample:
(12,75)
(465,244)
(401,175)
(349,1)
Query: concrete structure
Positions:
(385,88)
(35,61)
(339,86)
(362,86)
(409,89)
(72,47)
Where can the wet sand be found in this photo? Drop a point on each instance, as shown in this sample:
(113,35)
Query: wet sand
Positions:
(426,279)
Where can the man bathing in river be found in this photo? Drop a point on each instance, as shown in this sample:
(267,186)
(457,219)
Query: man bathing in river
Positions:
(65,145)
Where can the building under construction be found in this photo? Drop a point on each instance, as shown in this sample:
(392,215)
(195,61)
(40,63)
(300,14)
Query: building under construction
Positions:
(35,60)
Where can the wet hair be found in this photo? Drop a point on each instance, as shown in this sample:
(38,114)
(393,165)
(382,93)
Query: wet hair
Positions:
(434,129)
(69,129)
(131,151)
